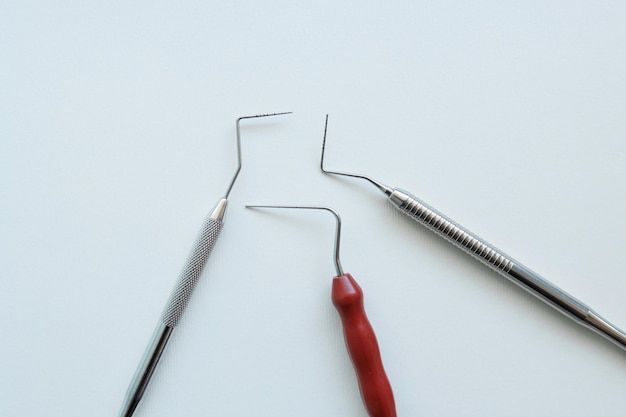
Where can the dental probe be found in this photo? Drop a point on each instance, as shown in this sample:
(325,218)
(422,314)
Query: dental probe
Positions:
(497,260)
(209,232)
(347,296)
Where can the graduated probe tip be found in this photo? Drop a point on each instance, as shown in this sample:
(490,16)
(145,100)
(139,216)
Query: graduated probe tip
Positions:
(264,115)
(232,182)
(386,190)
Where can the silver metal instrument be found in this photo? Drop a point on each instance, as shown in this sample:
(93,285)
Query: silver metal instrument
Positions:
(489,255)
(181,294)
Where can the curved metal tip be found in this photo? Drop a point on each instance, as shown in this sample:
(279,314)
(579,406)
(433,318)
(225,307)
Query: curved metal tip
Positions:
(232,182)
(337,229)
(386,190)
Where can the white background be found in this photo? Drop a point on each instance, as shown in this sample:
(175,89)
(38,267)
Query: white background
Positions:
(117,136)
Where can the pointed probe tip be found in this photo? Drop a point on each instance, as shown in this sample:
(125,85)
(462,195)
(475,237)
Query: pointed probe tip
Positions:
(263,115)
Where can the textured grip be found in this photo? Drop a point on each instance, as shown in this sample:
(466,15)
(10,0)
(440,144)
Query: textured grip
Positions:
(362,346)
(188,278)
(449,230)
(505,265)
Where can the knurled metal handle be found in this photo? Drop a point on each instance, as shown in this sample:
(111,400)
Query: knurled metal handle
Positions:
(190,274)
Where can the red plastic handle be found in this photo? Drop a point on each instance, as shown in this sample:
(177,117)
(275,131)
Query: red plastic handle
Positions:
(363,348)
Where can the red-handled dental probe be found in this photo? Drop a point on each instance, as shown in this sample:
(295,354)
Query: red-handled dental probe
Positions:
(360,339)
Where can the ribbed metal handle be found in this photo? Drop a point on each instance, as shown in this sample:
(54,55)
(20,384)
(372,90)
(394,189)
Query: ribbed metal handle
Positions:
(451,231)
(505,265)
(190,274)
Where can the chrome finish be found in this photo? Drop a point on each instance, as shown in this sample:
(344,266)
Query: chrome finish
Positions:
(599,325)
(337,229)
(175,307)
(145,370)
(185,285)
(192,270)
(505,265)
(219,210)
(450,231)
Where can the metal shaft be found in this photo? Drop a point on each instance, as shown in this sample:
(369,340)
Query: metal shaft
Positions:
(182,291)
(505,265)
(146,368)
(328,209)
(174,308)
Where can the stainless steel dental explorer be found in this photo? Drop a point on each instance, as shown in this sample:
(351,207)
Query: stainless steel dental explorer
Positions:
(181,294)
(497,260)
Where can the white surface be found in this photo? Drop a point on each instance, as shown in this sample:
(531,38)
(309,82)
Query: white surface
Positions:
(117,135)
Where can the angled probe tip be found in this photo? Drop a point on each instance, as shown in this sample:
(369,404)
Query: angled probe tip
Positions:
(386,190)
(232,182)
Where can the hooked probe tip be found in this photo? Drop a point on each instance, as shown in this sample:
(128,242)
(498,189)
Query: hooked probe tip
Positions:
(331,210)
